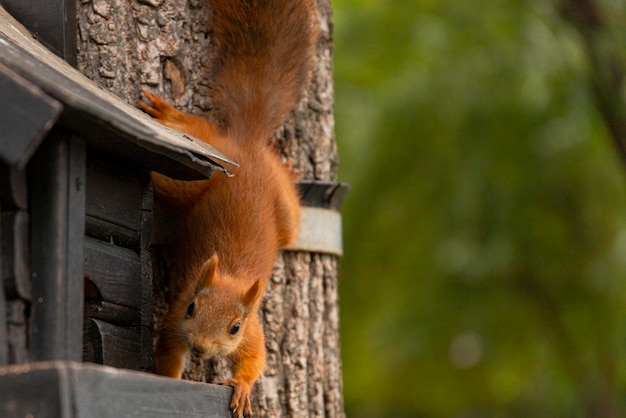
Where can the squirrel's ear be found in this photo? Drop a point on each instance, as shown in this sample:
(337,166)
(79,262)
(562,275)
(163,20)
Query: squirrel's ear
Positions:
(208,272)
(253,294)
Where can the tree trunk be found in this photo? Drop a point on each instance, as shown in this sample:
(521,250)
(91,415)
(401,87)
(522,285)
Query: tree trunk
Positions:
(164,45)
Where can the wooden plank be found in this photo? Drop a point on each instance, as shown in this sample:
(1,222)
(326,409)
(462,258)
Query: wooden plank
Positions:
(4,339)
(145,258)
(33,392)
(14,249)
(112,345)
(26,116)
(109,394)
(17,331)
(57,187)
(104,230)
(74,390)
(121,129)
(113,194)
(53,22)
(115,271)
(110,312)
(114,199)
(13,190)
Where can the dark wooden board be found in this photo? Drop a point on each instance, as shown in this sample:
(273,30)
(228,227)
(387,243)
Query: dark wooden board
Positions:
(74,390)
(26,116)
(115,271)
(4,339)
(112,345)
(53,22)
(145,259)
(113,194)
(33,392)
(14,250)
(110,232)
(57,214)
(116,314)
(13,190)
(17,330)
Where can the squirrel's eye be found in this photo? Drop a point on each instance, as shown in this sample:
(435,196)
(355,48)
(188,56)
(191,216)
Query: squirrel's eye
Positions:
(235,329)
(190,309)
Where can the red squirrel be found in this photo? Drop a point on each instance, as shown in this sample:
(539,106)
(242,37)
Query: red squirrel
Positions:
(227,231)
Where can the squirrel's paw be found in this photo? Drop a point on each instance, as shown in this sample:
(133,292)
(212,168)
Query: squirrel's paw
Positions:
(240,402)
(160,110)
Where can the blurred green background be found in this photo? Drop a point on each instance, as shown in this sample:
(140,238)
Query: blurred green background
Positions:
(485,234)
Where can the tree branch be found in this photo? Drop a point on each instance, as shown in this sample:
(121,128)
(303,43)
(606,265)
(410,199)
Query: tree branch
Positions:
(607,64)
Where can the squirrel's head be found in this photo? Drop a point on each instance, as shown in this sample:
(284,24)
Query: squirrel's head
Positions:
(217,310)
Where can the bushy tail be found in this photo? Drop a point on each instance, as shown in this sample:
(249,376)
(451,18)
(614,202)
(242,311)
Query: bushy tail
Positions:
(263,56)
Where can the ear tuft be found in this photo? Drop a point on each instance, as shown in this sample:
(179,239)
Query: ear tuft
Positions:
(208,273)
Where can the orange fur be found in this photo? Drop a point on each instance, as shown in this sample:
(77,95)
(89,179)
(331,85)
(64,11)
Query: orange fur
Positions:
(224,233)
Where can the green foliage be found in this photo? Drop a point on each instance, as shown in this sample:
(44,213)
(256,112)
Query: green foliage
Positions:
(485,236)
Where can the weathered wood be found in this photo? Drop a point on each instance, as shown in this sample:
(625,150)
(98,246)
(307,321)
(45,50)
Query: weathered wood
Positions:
(13,190)
(96,308)
(38,393)
(26,116)
(121,129)
(72,390)
(113,194)
(113,202)
(17,330)
(57,187)
(53,22)
(14,250)
(112,345)
(4,340)
(111,232)
(115,271)
(145,259)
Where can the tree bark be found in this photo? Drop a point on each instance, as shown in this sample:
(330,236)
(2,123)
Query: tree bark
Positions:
(164,45)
